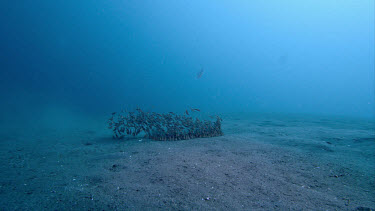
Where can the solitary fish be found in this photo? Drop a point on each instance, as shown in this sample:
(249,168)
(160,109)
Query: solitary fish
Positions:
(200,73)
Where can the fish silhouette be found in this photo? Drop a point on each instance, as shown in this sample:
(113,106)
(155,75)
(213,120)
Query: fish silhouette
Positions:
(200,73)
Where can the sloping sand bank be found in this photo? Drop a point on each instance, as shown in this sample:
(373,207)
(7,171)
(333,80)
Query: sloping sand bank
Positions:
(261,163)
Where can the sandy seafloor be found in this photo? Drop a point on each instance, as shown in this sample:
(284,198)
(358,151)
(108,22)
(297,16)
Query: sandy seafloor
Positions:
(263,162)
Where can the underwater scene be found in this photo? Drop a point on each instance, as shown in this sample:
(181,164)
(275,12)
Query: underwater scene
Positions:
(187,105)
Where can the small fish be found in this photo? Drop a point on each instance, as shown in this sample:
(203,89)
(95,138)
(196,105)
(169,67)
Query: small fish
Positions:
(113,113)
(200,73)
(187,112)
(195,109)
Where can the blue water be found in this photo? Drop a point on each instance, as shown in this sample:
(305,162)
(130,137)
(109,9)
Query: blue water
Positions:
(65,63)
(288,57)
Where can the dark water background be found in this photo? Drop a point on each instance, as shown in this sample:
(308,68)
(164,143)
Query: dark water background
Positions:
(64,59)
